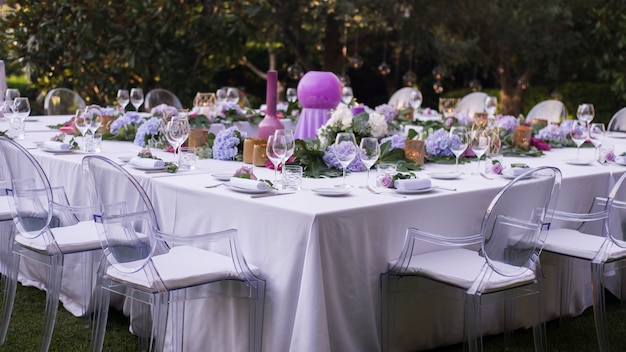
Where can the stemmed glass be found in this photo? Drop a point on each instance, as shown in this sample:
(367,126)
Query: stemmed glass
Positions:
(95,112)
(415,100)
(585,112)
(597,131)
(82,122)
(579,134)
(479,143)
(176,132)
(11,94)
(21,110)
(491,105)
(123,98)
(369,151)
(232,95)
(347,95)
(286,144)
(220,95)
(459,140)
(136,97)
(291,95)
(272,156)
(345,151)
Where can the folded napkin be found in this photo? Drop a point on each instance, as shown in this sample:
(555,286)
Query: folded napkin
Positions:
(247,183)
(55,145)
(620,160)
(410,184)
(147,163)
(515,171)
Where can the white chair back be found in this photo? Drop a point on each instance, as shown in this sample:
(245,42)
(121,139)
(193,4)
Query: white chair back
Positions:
(552,111)
(618,121)
(62,101)
(472,103)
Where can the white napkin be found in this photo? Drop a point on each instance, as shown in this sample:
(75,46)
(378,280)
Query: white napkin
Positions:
(247,183)
(412,184)
(147,163)
(515,171)
(55,145)
(620,160)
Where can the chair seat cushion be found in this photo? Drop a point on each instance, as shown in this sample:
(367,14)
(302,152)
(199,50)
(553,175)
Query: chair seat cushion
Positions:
(460,267)
(183,266)
(580,245)
(75,238)
(5,210)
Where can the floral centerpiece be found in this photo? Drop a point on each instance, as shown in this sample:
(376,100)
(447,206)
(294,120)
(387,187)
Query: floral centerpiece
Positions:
(226,145)
(124,128)
(355,120)
(149,132)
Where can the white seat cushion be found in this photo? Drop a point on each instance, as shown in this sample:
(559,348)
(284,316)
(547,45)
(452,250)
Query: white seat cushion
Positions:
(5,210)
(577,244)
(183,266)
(460,267)
(75,238)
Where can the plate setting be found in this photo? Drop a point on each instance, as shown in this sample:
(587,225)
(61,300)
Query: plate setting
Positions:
(579,161)
(246,190)
(332,191)
(445,175)
(222,176)
(414,191)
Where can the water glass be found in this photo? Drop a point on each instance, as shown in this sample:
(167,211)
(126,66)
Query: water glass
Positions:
(188,158)
(292,177)
(384,174)
(93,143)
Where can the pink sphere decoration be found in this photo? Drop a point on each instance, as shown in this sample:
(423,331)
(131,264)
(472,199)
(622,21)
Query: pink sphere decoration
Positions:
(319,90)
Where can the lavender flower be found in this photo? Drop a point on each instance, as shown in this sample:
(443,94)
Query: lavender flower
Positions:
(226,145)
(110,111)
(148,128)
(163,110)
(553,132)
(388,111)
(507,122)
(386,181)
(437,143)
(464,119)
(226,109)
(344,148)
(397,141)
(130,118)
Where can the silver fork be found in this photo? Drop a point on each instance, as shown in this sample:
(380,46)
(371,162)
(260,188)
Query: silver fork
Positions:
(375,191)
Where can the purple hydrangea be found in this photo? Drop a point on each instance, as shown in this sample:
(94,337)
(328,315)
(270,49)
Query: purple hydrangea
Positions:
(464,119)
(130,118)
(438,143)
(397,141)
(226,145)
(388,111)
(110,111)
(229,109)
(552,132)
(148,128)
(330,157)
(507,122)
(163,110)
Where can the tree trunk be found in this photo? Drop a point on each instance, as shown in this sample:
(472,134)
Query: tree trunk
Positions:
(512,91)
(333,57)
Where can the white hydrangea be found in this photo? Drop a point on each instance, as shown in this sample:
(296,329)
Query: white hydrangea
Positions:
(378,125)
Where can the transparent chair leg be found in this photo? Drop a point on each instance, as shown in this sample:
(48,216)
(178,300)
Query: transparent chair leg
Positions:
(177,318)
(539,327)
(257,306)
(8,299)
(566,271)
(473,324)
(53,290)
(100,315)
(159,320)
(599,307)
(509,315)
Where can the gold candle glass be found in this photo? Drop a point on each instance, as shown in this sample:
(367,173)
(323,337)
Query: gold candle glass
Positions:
(414,150)
(248,148)
(259,156)
(521,137)
(197,137)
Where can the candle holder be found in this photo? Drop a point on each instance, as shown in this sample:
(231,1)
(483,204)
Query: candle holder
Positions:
(197,137)
(414,150)
(521,137)
(481,120)
(248,148)
(259,156)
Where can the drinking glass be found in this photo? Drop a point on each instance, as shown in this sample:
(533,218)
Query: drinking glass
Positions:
(585,112)
(82,122)
(136,97)
(176,132)
(285,141)
(11,94)
(95,113)
(347,95)
(123,98)
(21,110)
(220,95)
(579,134)
(491,105)
(479,143)
(415,99)
(369,151)
(291,95)
(272,156)
(597,131)
(232,95)
(459,140)
(345,151)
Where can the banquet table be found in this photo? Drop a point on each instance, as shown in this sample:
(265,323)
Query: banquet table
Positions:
(322,256)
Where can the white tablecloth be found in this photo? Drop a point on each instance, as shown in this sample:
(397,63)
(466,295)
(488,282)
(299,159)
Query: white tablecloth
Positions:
(322,256)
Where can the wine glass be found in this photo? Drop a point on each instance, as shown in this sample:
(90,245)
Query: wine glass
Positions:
(220,95)
(345,151)
(136,97)
(11,94)
(347,95)
(95,112)
(291,95)
(459,140)
(82,122)
(369,151)
(232,95)
(123,98)
(415,99)
(176,132)
(491,105)
(585,112)
(597,131)
(287,144)
(21,110)
(479,143)
(272,156)
(579,134)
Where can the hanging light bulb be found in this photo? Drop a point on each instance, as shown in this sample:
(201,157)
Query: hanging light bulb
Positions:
(384,69)
(475,85)
(295,71)
(409,78)
(344,79)
(438,87)
(356,62)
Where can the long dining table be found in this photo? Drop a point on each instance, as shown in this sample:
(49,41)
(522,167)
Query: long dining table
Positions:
(322,256)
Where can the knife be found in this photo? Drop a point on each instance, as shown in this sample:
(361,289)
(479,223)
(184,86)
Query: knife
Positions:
(270,194)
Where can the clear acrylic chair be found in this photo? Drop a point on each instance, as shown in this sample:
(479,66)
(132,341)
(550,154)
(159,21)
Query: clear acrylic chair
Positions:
(618,121)
(472,103)
(401,98)
(159,96)
(160,270)
(62,101)
(604,249)
(49,231)
(552,111)
(498,264)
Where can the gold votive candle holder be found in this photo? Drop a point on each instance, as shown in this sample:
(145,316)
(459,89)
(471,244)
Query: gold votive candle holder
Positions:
(481,120)
(259,156)
(521,137)
(105,128)
(197,137)
(414,150)
(248,148)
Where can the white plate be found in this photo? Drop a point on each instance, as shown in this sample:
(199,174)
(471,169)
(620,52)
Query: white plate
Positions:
(332,191)
(414,191)
(58,151)
(246,190)
(615,134)
(223,176)
(143,168)
(31,119)
(442,175)
(125,159)
(509,177)
(579,162)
